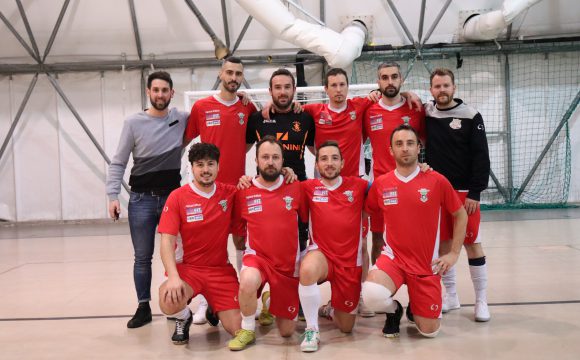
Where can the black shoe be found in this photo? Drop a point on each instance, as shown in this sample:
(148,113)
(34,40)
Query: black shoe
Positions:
(142,316)
(211,317)
(409,314)
(391,328)
(181,333)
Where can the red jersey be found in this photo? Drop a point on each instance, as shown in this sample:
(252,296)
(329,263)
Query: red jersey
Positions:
(345,127)
(203,220)
(335,218)
(224,125)
(379,122)
(411,209)
(271,219)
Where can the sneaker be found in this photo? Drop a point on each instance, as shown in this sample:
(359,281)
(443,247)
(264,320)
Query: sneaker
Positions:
(265,318)
(391,328)
(363,310)
(142,316)
(181,333)
(199,315)
(450,302)
(242,340)
(211,317)
(326,311)
(409,314)
(311,341)
(481,312)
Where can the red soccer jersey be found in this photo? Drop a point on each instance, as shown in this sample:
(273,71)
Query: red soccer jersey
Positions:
(224,125)
(411,209)
(335,217)
(271,219)
(345,127)
(203,220)
(379,122)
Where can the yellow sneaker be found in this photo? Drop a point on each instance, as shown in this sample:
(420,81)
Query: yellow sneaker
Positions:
(265,318)
(242,340)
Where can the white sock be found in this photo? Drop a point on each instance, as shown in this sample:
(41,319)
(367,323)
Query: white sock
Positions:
(183,314)
(239,255)
(310,300)
(479,279)
(248,322)
(449,281)
(378,298)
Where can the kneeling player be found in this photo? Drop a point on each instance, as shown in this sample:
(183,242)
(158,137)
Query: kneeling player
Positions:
(201,212)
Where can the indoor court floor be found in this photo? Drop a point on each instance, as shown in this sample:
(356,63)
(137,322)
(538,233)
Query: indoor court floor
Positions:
(66,292)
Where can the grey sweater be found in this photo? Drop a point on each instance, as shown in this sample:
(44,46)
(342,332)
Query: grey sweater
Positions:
(156,144)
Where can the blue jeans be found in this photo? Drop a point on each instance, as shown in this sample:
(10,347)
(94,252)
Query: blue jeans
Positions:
(144,213)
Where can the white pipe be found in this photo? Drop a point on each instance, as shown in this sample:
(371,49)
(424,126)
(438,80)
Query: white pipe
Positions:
(488,26)
(339,50)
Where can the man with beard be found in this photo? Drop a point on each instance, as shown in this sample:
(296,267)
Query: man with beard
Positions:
(334,205)
(155,137)
(379,122)
(221,120)
(269,211)
(411,203)
(200,211)
(457,148)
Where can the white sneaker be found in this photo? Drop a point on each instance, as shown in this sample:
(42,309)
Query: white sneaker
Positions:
(199,315)
(481,312)
(311,341)
(363,310)
(450,302)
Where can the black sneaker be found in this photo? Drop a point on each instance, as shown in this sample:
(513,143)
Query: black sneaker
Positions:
(211,317)
(181,333)
(142,316)
(391,328)
(409,314)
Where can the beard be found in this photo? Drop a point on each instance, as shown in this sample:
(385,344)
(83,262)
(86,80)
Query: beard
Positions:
(160,105)
(330,174)
(444,99)
(202,180)
(270,173)
(231,87)
(390,91)
(281,106)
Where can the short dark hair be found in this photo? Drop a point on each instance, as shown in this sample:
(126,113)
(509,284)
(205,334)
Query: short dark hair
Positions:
(284,72)
(442,72)
(161,75)
(404,127)
(388,64)
(269,139)
(233,60)
(328,143)
(202,151)
(334,72)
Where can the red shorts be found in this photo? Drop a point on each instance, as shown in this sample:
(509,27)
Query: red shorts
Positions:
(284,298)
(424,290)
(344,286)
(218,284)
(377,224)
(473,220)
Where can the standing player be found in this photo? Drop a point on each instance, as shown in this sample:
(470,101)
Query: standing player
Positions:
(379,122)
(457,148)
(199,211)
(269,209)
(334,206)
(411,203)
(155,137)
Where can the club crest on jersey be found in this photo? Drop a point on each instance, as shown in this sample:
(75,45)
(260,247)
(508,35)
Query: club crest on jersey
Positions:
(352,115)
(224,205)
(423,193)
(193,213)
(288,200)
(349,195)
(296,126)
(241,116)
(406,120)
(455,124)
